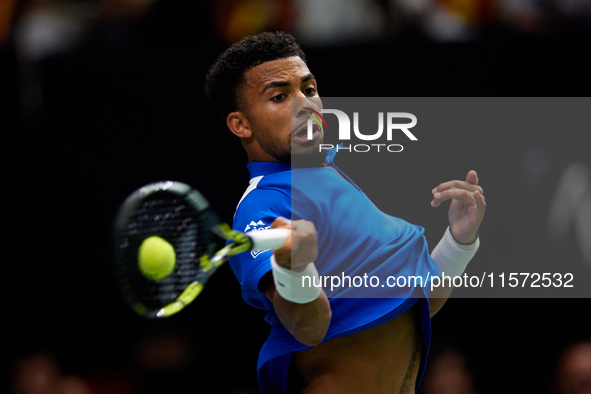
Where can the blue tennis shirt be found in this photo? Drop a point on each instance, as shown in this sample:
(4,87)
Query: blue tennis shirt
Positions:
(355,239)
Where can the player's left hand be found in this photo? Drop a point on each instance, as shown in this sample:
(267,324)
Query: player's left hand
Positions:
(467,206)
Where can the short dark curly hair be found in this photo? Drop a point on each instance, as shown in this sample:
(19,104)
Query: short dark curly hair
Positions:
(225,80)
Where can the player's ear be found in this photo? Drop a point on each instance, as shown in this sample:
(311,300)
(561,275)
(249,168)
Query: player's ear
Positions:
(239,124)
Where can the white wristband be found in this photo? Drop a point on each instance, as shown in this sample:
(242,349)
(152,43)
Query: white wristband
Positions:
(453,257)
(298,287)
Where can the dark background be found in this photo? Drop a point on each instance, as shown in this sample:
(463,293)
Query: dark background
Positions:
(127,107)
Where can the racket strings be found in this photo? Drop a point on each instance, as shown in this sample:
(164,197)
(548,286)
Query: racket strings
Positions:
(189,232)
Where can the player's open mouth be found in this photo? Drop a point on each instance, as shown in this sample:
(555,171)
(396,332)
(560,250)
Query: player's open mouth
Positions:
(301,136)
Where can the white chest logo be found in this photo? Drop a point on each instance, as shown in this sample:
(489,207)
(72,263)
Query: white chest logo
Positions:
(256,226)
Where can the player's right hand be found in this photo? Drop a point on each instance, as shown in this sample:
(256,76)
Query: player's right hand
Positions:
(300,248)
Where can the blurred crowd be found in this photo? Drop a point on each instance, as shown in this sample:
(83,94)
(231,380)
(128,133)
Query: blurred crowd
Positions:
(164,362)
(42,26)
(449,371)
(37,29)
(161,361)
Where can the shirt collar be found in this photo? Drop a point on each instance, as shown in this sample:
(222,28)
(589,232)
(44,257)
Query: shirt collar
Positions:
(331,153)
(258,168)
(262,168)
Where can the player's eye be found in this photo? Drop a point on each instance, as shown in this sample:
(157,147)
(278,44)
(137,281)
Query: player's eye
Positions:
(279,98)
(310,91)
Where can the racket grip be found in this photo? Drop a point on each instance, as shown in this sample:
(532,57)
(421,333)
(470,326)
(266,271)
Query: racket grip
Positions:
(273,238)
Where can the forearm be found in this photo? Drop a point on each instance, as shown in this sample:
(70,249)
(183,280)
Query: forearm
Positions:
(451,258)
(308,322)
(302,307)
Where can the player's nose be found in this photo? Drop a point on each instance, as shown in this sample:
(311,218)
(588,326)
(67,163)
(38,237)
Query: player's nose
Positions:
(300,106)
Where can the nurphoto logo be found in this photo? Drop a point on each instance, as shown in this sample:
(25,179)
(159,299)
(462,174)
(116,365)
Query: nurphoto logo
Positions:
(390,130)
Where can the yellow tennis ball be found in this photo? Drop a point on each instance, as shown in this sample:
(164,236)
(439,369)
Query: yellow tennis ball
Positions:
(156,258)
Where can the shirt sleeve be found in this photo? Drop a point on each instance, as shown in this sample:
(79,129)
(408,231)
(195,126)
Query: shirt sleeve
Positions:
(256,212)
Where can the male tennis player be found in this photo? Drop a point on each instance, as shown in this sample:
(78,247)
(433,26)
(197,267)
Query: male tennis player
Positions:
(322,343)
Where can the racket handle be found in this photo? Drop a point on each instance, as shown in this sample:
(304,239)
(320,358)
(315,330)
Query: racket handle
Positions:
(268,239)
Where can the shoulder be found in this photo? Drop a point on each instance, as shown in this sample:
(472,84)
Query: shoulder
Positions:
(266,191)
(265,199)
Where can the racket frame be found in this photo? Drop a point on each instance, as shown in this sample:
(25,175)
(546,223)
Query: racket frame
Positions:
(241,242)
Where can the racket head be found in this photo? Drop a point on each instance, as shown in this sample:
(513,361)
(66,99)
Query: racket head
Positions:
(183,217)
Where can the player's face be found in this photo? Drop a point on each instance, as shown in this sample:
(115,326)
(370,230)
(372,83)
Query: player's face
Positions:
(278,127)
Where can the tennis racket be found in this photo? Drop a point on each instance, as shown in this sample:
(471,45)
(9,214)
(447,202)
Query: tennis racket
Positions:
(183,221)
